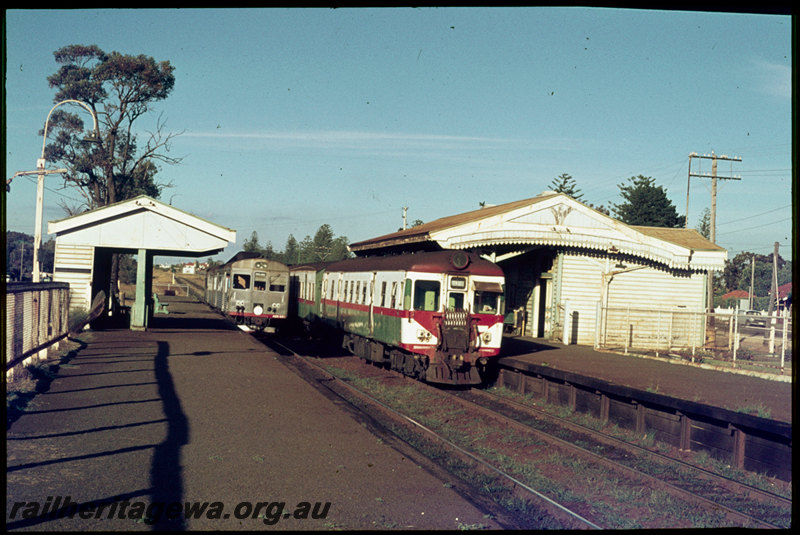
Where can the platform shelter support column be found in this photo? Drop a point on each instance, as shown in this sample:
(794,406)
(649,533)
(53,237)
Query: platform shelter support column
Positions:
(142,307)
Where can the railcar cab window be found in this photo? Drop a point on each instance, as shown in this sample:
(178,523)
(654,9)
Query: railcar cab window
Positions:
(276,284)
(488,298)
(455,301)
(425,295)
(241,281)
(259,281)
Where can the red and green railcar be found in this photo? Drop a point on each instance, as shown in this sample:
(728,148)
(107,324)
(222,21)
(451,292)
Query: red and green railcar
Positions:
(436,316)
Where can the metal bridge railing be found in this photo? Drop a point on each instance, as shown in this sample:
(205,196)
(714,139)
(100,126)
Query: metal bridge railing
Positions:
(36,318)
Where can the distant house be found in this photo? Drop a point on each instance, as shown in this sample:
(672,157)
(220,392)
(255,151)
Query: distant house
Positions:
(188,268)
(785,295)
(740,298)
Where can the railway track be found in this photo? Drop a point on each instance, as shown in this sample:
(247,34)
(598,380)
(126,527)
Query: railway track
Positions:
(611,465)
(533,510)
(742,502)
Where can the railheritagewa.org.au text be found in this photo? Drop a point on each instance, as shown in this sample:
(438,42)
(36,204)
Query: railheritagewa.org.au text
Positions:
(269,513)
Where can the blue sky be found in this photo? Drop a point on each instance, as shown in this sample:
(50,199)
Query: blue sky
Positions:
(293,118)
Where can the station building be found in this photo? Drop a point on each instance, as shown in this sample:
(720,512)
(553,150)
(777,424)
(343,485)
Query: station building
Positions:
(570,270)
(142,226)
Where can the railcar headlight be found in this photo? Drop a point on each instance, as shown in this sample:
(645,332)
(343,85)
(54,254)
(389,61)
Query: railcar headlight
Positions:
(258,310)
(423,335)
(487,337)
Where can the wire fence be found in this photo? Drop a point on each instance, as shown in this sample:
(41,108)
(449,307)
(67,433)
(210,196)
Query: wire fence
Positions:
(36,320)
(728,338)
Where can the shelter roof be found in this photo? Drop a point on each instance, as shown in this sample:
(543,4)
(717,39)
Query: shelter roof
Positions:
(143,223)
(555,219)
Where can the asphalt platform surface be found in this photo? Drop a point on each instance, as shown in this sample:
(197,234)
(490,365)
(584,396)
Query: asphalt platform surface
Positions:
(737,390)
(194,410)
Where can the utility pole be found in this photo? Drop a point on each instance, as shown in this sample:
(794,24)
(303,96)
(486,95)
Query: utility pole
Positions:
(405,211)
(773,291)
(713,223)
(752,278)
(773,301)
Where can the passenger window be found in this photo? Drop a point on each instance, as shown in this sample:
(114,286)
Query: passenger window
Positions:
(241,281)
(383,294)
(394,295)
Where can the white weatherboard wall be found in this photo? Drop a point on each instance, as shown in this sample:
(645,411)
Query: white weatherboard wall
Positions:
(581,289)
(675,304)
(640,287)
(73,265)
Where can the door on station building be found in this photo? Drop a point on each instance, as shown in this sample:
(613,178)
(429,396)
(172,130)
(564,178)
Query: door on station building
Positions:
(529,287)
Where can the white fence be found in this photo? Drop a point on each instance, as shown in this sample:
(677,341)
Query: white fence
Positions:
(36,320)
(729,336)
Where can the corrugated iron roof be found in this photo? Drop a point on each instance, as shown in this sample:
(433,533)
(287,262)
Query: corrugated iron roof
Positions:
(688,238)
(422,232)
(685,237)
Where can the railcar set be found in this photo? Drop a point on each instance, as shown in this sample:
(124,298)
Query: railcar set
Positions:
(251,290)
(435,316)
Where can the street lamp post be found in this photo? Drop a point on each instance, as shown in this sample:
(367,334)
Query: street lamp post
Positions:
(41,171)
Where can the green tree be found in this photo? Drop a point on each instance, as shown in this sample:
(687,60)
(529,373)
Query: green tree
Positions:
(566,184)
(737,273)
(646,204)
(251,245)
(121,89)
(704,226)
(19,255)
(291,253)
(324,247)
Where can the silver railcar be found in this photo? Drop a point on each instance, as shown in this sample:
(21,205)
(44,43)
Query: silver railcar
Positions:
(251,290)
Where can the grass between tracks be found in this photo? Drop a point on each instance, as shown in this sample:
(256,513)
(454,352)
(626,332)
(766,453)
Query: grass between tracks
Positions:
(586,487)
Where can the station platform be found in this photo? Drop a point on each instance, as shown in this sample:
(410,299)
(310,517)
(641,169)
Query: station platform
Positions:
(736,390)
(194,411)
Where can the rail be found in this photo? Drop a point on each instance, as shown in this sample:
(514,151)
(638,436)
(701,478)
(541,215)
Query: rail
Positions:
(746,441)
(37,319)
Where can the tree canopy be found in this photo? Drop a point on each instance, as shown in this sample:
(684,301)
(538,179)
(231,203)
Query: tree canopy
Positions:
(566,184)
(120,89)
(646,204)
(323,247)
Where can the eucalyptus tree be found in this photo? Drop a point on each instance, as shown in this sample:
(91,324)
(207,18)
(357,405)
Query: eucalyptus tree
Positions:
(122,162)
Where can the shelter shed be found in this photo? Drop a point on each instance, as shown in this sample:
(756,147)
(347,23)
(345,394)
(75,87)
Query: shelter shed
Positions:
(86,243)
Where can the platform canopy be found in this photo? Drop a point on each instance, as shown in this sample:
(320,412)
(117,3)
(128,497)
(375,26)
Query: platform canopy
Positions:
(553,219)
(143,223)
(86,243)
